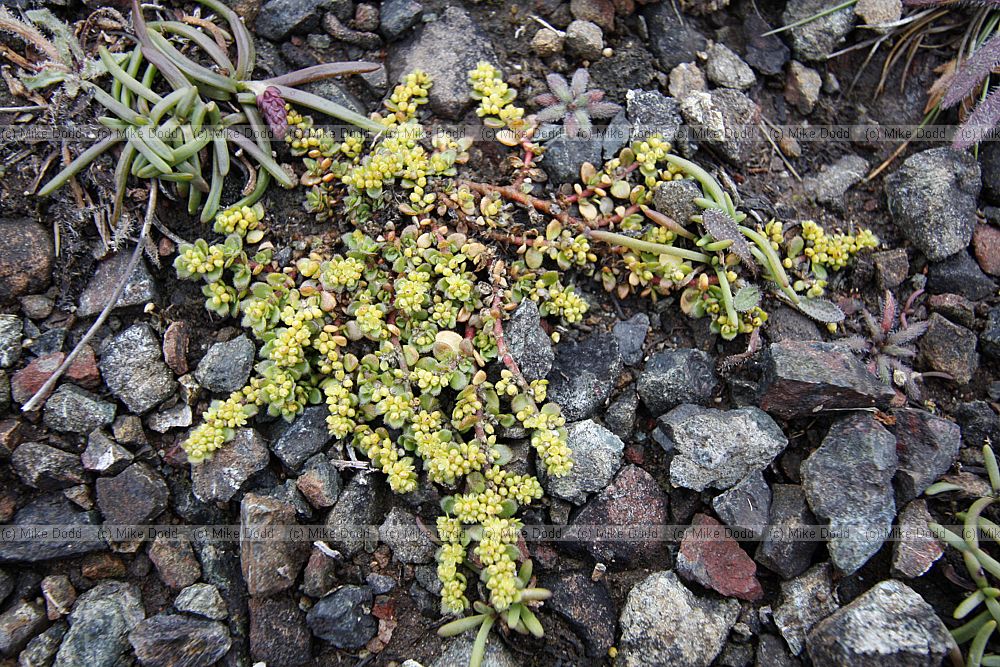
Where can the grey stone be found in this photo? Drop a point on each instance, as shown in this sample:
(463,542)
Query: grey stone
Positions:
(631,335)
(320,482)
(990,337)
(651,111)
(222,476)
(380,583)
(527,342)
(802,378)
(280,18)
(37,306)
(716,448)
(140,289)
(344,618)
(459,652)
(745,506)
(725,68)
(11,329)
(584,374)
(278,632)
(226,366)
(99,626)
(587,607)
(18,624)
(398,16)
(597,456)
(564,155)
(816,39)
(41,650)
(955,307)
(302,438)
(621,414)
(686,78)
(632,499)
(76,410)
(664,623)
(916,550)
(932,198)
(829,186)
(878,12)
(675,199)
(848,481)
(888,625)
(584,39)
(927,446)
(104,456)
(723,116)
(547,42)
(47,468)
(806,600)
(949,348)
(672,40)
(802,89)
(772,652)
(136,495)
(435,49)
(175,562)
(361,503)
(269,565)
(780,551)
(765,53)
(203,600)
(673,377)
(178,416)
(133,369)
(892,267)
(409,543)
(179,640)
(788,324)
(49,510)
(960,274)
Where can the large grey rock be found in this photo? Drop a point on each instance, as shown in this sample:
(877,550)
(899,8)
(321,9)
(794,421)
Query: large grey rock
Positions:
(584,40)
(179,640)
(806,600)
(816,39)
(722,116)
(133,368)
(104,456)
(927,446)
(586,606)
(226,366)
(932,197)
(459,652)
(716,448)
(435,49)
(848,481)
(780,550)
(621,414)
(222,476)
(584,375)
(672,40)
(203,600)
(409,543)
(140,289)
(269,565)
(960,274)
(76,410)
(280,18)
(41,650)
(675,199)
(664,623)
(51,510)
(802,378)
(889,625)
(673,377)
(361,503)
(564,156)
(745,506)
(631,335)
(650,111)
(136,495)
(949,348)
(527,342)
(829,185)
(45,467)
(99,626)
(597,456)
(305,436)
(344,618)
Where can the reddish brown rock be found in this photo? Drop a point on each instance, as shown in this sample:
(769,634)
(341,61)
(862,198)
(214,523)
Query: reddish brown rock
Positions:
(102,566)
(175,562)
(175,347)
(83,371)
(986,246)
(713,559)
(26,260)
(10,437)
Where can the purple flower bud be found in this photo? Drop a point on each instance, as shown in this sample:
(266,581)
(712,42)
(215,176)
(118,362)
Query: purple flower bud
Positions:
(272,106)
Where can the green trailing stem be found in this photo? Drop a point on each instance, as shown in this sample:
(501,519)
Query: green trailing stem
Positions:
(646,246)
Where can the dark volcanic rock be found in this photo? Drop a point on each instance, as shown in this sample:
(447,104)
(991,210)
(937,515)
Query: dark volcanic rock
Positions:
(136,495)
(632,499)
(362,503)
(344,618)
(47,468)
(133,368)
(226,366)
(77,410)
(889,625)
(269,565)
(222,476)
(722,115)
(50,510)
(528,343)
(672,40)
(99,626)
(18,624)
(26,262)
(672,377)
(584,375)
(140,289)
(280,18)
(587,607)
(959,274)
(767,55)
(803,378)
(746,506)
(398,16)
(848,481)
(179,640)
(926,446)
(806,600)
(631,335)
(932,197)
(303,437)
(949,348)
(278,632)
(779,551)
(708,556)
(104,456)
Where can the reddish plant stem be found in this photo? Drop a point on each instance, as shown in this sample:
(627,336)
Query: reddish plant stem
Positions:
(575,197)
(503,352)
(512,194)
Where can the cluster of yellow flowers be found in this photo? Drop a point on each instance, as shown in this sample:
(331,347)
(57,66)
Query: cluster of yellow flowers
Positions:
(494,550)
(836,250)
(380,450)
(245,221)
(450,558)
(495,97)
